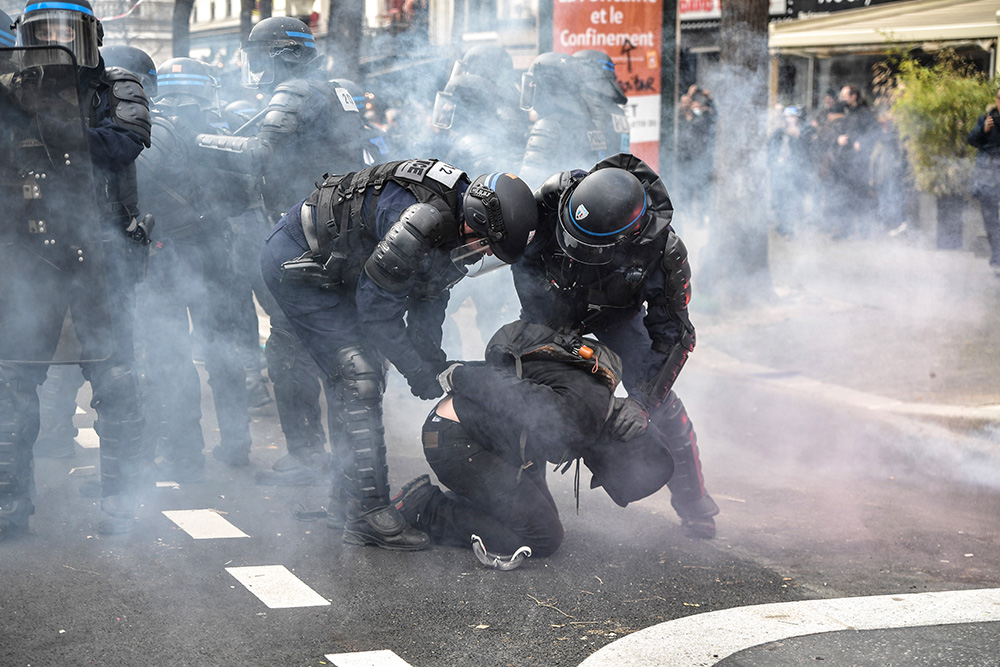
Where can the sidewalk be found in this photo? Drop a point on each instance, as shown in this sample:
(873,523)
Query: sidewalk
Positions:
(887,317)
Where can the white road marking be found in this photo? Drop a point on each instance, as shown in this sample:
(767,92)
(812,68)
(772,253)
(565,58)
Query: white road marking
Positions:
(276,587)
(203,524)
(383,658)
(88,438)
(168,484)
(705,639)
(80,411)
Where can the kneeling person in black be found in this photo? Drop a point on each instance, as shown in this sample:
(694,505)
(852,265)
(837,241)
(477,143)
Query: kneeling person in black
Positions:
(536,400)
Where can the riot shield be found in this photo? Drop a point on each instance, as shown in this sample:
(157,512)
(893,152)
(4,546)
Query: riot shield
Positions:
(51,250)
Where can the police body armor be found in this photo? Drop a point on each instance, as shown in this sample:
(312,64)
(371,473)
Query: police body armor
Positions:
(338,223)
(290,146)
(51,233)
(574,296)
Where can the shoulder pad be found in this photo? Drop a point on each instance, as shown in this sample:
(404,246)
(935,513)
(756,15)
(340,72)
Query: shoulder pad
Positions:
(296,87)
(419,229)
(128,102)
(417,171)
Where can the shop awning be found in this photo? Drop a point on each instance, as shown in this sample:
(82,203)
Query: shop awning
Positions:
(920,22)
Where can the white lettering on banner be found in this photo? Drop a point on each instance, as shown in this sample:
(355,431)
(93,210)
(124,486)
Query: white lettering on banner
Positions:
(591,37)
(643,113)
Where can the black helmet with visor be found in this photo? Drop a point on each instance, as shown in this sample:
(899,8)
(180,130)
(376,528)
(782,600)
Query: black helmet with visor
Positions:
(68,23)
(500,209)
(278,48)
(598,213)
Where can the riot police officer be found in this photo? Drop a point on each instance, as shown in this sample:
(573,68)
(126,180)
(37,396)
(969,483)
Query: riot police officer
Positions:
(308,127)
(605,261)
(347,265)
(579,118)
(190,271)
(68,250)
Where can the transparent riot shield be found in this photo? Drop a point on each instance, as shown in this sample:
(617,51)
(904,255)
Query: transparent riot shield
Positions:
(51,253)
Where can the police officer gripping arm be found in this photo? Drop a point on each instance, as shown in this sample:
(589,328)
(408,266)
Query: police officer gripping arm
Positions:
(361,268)
(605,261)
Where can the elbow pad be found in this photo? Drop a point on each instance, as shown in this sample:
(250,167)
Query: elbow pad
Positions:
(398,255)
(129,104)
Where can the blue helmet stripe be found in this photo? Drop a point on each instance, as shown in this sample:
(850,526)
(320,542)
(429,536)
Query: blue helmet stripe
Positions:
(617,231)
(58,5)
(493,178)
(608,65)
(185,78)
(6,39)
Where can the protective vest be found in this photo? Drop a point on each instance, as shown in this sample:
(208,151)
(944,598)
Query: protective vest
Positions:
(338,219)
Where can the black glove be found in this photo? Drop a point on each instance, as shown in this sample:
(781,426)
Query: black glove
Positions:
(424,383)
(628,419)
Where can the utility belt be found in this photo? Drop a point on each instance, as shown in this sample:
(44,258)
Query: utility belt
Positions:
(310,268)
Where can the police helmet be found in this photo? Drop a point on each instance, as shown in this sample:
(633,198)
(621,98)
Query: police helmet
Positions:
(187,78)
(68,23)
(278,48)
(137,61)
(600,211)
(7,37)
(598,74)
(500,209)
(488,60)
(549,73)
(474,96)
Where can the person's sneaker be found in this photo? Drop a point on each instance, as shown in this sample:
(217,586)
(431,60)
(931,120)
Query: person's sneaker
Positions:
(14,515)
(233,456)
(309,468)
(55,445)
(410,499)
(385,527)
(117,515)
(697,517)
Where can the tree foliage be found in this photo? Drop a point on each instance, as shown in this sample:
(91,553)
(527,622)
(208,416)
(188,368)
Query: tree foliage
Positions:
(935,107)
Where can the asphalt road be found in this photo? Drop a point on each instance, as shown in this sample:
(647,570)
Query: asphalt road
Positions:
(818,501)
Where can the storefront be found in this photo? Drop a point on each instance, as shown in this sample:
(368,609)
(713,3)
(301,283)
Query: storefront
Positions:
(814,53)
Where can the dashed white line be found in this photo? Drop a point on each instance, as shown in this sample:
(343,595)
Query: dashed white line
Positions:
(204,524)
(276,587)
(705,639)
(383,658)
(87,438)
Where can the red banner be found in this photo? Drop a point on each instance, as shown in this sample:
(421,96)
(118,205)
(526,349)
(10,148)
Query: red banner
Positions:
(631,33)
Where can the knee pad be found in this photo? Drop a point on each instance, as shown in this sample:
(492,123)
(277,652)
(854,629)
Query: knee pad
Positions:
(116,393)
(361,376)
(280,353)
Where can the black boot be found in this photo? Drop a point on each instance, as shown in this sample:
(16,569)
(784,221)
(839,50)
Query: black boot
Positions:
(356,404)
(687,486)
(123,471)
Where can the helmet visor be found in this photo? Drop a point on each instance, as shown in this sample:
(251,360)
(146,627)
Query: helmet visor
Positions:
(73,30)
(444,110)
(527,91)
(476,258)
(258,66)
